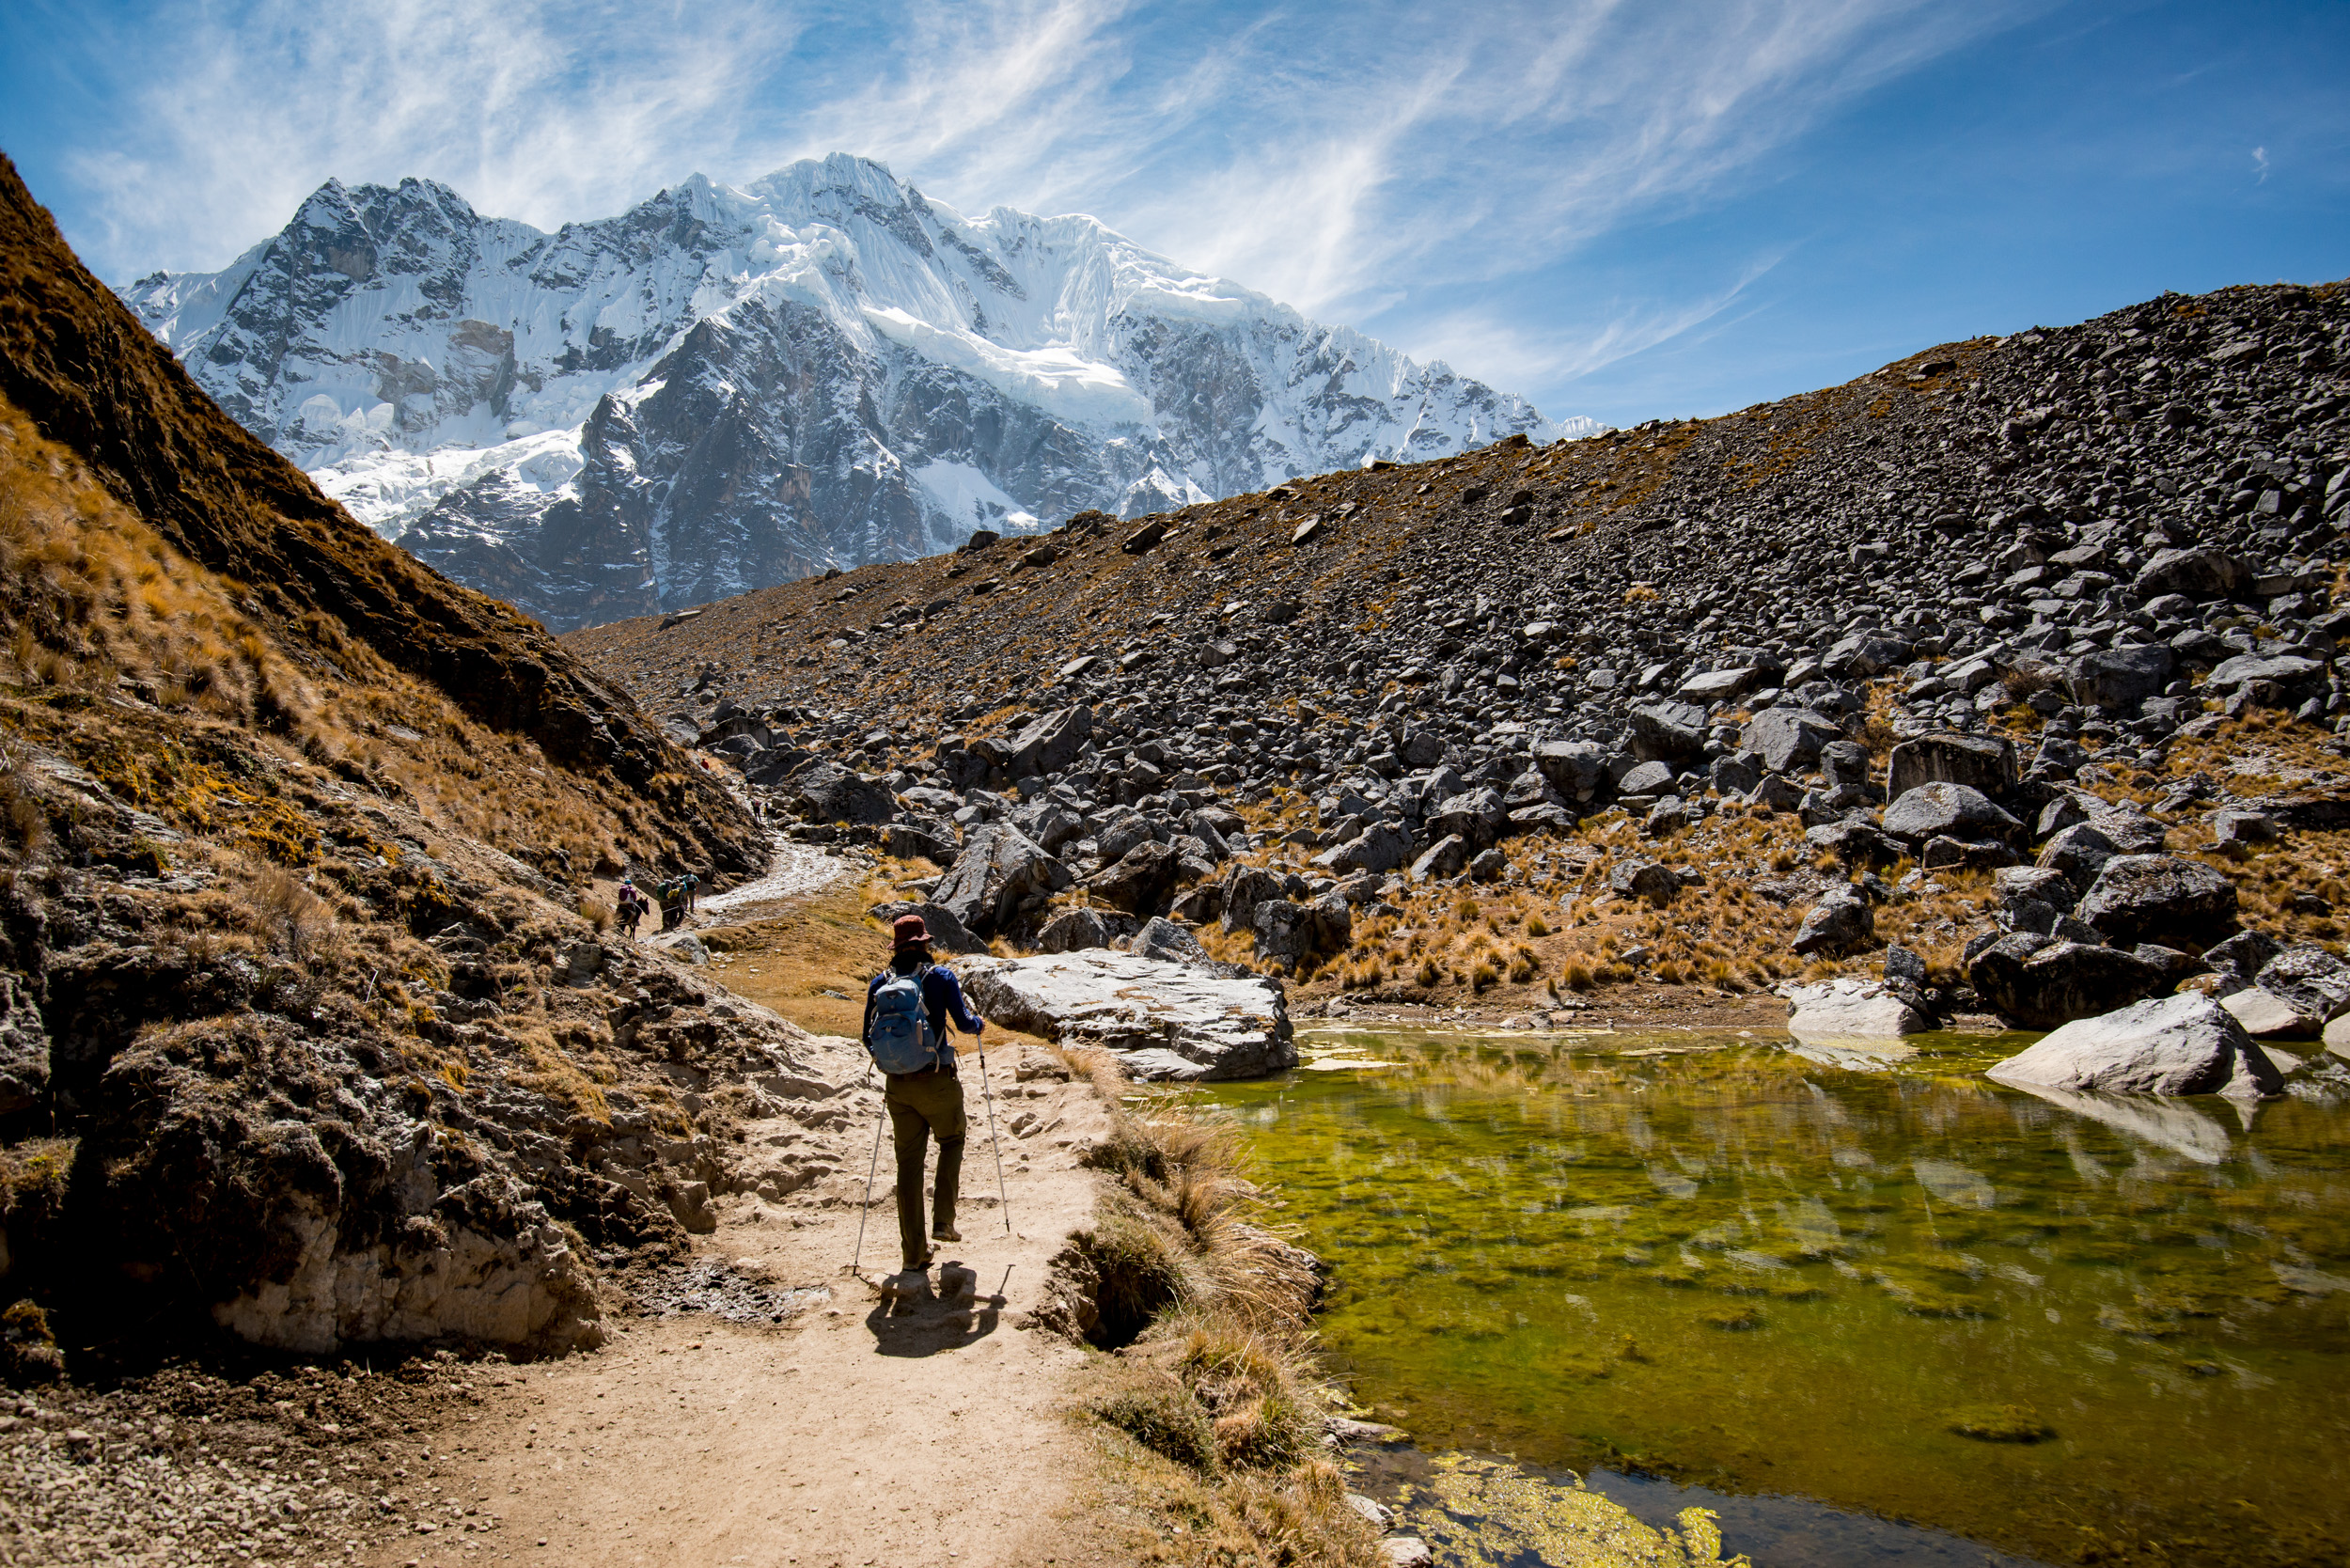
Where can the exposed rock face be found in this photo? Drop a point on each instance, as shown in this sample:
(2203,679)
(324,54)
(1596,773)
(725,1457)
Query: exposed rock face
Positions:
(1165,1020)
(1983,763)
(1837,924)
(1846,1009)
(724,388)
(2183,1044)
(1939,809)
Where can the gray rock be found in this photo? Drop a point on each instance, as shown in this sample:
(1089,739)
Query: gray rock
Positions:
(2312,980)
(2037,884)
(2266,1015)
(947,932)
(2160,897)
(1074,928)
(2119,678)
(2243,827)
(1865,654)
(1672,731)
(2040,982)
(1052,743)
(1836,925)
(1718,685)
(1446,856)
(999,867)
(1849,1009)
(1141,881)
(1382,847)
(1643,879)
(1165,939)
(2182,1044)
(1244,886)
(1575,768)
(1487,865)
(1854,841)
(1736,774)
(1649,779)
(1164,1020)
(1954,810)
(2291,675)
(1476,815)
(824,792)
(2198,573)
(2078,853)
(1788,740)
(2245,953)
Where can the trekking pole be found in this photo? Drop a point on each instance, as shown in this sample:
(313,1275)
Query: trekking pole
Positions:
(988,1099)
(864,1212)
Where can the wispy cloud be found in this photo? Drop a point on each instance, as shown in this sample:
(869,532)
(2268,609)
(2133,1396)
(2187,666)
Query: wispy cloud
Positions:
(2260,165)
(1366,162)
(533,110)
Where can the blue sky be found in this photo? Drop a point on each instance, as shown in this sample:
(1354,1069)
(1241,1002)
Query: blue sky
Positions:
(1623,210)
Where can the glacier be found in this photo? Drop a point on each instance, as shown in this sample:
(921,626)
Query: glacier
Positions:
(725,389)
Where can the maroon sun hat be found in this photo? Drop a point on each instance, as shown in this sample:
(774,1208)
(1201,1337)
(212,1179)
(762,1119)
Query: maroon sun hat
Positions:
(908,930)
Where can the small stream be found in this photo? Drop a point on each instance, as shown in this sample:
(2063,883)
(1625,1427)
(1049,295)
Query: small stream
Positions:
(1881,1312)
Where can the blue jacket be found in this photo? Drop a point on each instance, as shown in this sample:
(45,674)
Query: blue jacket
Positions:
(941,998)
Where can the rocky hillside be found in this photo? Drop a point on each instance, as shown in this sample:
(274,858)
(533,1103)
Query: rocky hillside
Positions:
(2089,571)
(723,388)
(306,1031)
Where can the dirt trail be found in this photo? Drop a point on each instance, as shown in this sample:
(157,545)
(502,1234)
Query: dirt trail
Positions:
(922,1432)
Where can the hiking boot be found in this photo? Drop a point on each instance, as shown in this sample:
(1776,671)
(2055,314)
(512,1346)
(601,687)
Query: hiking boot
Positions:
(924,1260)
(945,1232)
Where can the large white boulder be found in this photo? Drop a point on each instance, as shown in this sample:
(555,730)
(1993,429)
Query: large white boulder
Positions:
(1845,1008)
(2182,1044)
(1165,1020)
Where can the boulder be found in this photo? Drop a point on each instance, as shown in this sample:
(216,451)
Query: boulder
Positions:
(1167,941)
(2278,681)
(2040,885)
(2119,678)
(2159,898)
(1849,1009)
(1446,856)
(1854,841)
(1575,768)
(1649,779)
(1719,686)
(824,792)
(1836,925)
(1477,815)
(1981,762)
(947,932)
(1788,740)
(2268,1016)
(915,843)
(2198,573)
(1074,928)
(2182,1044)
(1672,732)
(1380,848)
(998,868)
(1164,1020)
(2077,854)
(1948,811)
(2312,980)
(1643,879)
(2040,982)
(1865,654)
(1244,886)
(1141,880)
(1052,743)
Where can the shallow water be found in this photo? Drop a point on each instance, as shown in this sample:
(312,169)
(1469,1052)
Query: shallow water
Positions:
(1735,1268)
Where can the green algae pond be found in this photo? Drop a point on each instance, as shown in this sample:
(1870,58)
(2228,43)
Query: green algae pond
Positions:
(1870,1311)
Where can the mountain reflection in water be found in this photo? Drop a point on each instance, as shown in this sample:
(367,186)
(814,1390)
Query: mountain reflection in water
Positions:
(2075,1327)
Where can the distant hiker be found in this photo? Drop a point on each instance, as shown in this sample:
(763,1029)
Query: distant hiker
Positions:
(631,909)
(672,904)
(907,1008)
(692,884)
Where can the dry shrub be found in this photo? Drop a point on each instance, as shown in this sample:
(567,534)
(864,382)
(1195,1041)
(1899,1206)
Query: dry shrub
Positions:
(22,818)
(1576,975)
(1536,927)
(289,912)
(1483,977)
(596,912)
(1428,975)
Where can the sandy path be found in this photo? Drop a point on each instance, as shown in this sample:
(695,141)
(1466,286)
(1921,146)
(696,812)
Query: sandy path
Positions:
(926,1432)
(796,870)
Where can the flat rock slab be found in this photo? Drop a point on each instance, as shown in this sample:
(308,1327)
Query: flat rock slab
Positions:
(1164,1020)
(1847,1010)
(2182,1044)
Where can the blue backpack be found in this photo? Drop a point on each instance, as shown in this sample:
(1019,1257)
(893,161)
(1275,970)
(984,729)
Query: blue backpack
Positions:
(902,1039)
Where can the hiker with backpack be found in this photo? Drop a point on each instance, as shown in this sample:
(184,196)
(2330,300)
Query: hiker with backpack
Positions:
(908,1007)
(631,907)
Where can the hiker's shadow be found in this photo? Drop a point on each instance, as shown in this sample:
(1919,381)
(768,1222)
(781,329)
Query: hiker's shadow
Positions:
(928,1322)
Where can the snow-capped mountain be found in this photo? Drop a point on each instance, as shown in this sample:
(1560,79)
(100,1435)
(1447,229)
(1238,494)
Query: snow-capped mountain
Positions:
(721,389)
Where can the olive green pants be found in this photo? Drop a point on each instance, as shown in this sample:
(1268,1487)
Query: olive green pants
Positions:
(923,1106)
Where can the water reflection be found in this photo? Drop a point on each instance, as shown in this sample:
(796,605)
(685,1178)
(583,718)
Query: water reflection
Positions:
(2062,1324)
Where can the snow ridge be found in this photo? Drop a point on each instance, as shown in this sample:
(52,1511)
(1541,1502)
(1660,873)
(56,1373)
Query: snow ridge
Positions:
(725,389)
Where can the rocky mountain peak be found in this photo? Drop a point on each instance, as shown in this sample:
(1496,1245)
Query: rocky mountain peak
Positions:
(724,388)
